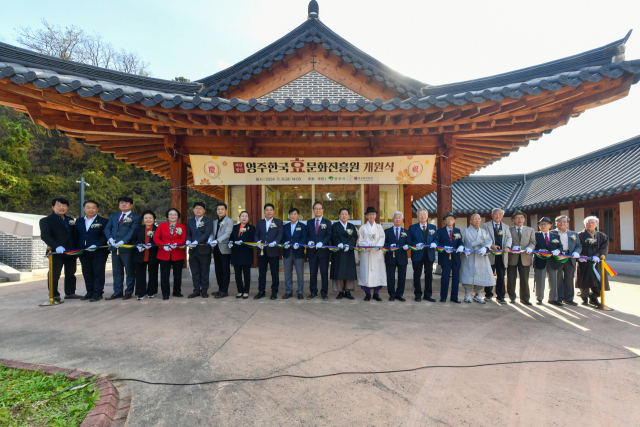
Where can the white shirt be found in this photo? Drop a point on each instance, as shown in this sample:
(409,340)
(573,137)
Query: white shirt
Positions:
(268,222)
(424,226)
(89,221)
(397,231)
(124,216)
(564,239)
(198,220)
(344,224)
(293,227)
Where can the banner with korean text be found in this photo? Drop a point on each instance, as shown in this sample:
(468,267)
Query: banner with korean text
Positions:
(217,170)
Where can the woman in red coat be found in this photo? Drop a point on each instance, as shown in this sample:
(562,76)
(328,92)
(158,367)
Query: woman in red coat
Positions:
(169,236)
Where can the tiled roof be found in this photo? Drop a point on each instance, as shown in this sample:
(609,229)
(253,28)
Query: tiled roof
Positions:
(612,170)
(312,86)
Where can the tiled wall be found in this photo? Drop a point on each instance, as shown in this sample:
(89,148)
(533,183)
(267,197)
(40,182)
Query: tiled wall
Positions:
(22,253)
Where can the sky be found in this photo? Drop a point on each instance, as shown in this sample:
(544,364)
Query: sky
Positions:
(436,42)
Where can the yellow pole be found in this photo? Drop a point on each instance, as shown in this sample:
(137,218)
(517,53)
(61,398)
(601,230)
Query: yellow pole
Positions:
(602,305)
(51,300)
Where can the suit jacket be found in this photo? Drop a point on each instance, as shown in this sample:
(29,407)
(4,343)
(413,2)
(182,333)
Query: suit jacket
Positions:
(528,241)
(163,237)
(54,233)
(324,236)
(541,244)
(299,236)
(222,235)
(275,234)
(95,236)
(139,238)
(443,239)
(574,245)
(124,233)
(398,257)
(200,234)
(504,240)
(415,237)
(343,264)
(242,254)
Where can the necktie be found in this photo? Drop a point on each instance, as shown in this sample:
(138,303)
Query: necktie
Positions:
(397,234)
(424,228)
(546,238)
(519,235)
(317,225)
(121,219)
(451,235)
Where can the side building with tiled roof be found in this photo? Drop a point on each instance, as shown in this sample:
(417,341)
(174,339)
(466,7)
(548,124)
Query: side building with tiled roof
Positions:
(604,183)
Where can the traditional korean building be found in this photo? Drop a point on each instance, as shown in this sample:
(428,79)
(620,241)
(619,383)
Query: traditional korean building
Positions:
(339,125)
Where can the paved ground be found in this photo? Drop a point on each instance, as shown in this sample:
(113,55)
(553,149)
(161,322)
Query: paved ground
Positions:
(184,340)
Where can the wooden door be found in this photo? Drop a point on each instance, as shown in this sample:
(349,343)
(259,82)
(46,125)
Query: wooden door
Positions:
(609,217)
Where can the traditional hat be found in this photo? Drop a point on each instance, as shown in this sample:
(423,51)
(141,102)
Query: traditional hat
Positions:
(371,209)
(544,219)
(518,213)
(448,214)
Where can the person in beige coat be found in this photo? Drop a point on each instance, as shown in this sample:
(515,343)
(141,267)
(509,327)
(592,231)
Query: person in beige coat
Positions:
(523,238)
(475,268)
(500,241)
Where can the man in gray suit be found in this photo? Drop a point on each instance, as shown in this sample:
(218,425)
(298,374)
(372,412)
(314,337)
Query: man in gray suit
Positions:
(570,246)
(522,238)
(119,231)
(198,231)
(500,240)
(219,240)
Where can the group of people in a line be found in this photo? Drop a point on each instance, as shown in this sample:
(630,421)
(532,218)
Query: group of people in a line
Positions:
(477,257)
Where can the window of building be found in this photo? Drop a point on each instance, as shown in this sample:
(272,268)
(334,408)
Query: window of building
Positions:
(285,197)
(237,201)
(335,197)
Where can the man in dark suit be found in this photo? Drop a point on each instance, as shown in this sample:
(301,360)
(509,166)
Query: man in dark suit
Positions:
(199,229)
(269,232)
(89,236)
(423,236)
(449,260)
(319,234)
(57,231)
(119,231)
(547,241)
(295,234)
(396,236)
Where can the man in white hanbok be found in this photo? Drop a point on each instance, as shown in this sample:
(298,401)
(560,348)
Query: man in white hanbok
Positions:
(372,268)
(475,268)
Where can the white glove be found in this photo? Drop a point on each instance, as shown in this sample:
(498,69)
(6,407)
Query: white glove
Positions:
(296,246)
(556,252)
(346,248)
(515,248)
(209,241)
(92,248)
(59,250)
(419,246)
(595,259)
(213,243)
(111,241)
(460,249)
(148,245)
(575,255)
(188,243)
(467,253)
(238,242)
(405,247)
(310,243)
(582,259)
(393,246)
(287,245)
(230,245)
(120,243)
(141,248)
(194,243)
(433,246)
(174,245)
(483,251)
(272,244)
(167,248)
(318,245)
(529,250)
(341,245)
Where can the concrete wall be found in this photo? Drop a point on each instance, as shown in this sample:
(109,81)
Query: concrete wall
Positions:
(578,220)
(626,226)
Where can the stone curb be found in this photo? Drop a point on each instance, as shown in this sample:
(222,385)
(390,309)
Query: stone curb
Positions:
(111,410)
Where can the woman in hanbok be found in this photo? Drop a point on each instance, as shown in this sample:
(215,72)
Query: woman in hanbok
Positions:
(372,268)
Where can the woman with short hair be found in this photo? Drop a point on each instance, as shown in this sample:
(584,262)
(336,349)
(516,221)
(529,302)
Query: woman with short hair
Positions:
(241,254)
(169,235)
(146,257)
(594,245)
(343,262)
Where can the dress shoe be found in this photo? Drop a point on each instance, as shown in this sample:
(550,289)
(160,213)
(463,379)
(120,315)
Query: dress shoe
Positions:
(245,296)
(312,296)
(501,300)
(127,296)
(72,296)
(570,303)
(340,295)
(429,299)
(95,298)
(348,296)
(151,296)
(443,300)
(56,298)
(417,298)
(526,302)
(512,301)
(204,294)
(274,295)
(367,297)
(539,303)
(165,297)
(392,298)
(556,303)
(377,297)
(325,297)
(178,295)
(287,296)
(585,302)
(140,297)
(457,301)
(114,296)
(594,301)
(259,295)
(239,296)
(300,296)
(86,297)
(487,298)
(193,295)
(401,299)
(221,295)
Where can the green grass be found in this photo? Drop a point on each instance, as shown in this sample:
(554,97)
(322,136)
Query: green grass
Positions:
(24,394)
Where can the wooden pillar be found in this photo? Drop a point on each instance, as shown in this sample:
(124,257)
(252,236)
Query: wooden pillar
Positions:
(572,223)
(408,212)
(636,223)
(373,199)
(179,188)
(443,186)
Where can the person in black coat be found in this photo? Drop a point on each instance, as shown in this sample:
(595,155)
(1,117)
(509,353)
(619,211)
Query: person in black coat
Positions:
(58,231)
(89,236)
(145,257)
(319,234)
(396,236)
(242,255)
(343,263)
(198,231)
(449,260)
(269,232)
(547,241)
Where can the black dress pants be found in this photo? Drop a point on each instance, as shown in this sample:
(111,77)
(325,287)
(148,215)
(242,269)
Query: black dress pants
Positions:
(391,279)
(223,269)
(316,263)
(70,268)
(418,267)
(142,286)
(165,270)
(200,266)
(273,263)
(240,270)
(498,268)
(93,268)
